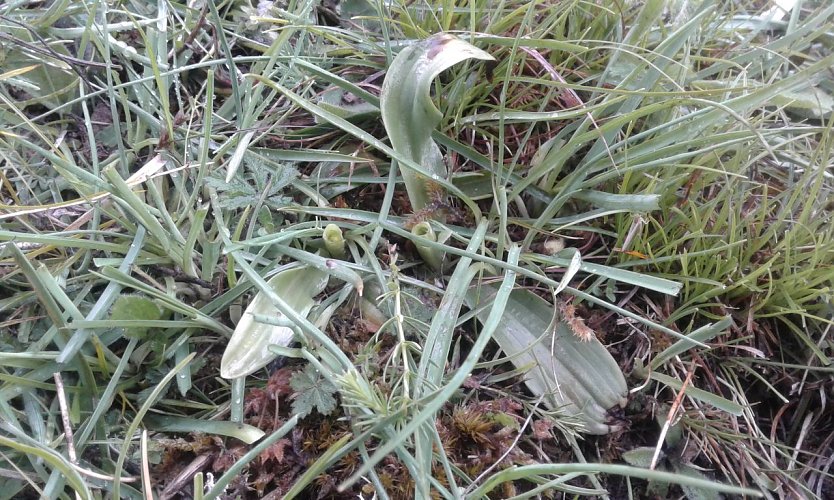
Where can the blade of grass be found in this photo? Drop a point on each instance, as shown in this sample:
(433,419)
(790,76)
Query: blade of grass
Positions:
(140,414)
(24,444)
(434,400)
(252,454)
(526,471)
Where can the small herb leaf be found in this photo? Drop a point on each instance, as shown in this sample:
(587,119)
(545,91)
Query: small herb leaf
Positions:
(312,392)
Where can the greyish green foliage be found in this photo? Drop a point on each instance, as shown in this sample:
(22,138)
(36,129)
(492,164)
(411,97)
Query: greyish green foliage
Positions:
(409,115)
(262,324)
(575,376)
(659,172)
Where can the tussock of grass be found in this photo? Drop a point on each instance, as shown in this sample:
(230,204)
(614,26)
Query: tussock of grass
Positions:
(665,167)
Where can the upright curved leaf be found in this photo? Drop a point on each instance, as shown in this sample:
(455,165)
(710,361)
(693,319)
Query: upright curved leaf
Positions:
(408,112)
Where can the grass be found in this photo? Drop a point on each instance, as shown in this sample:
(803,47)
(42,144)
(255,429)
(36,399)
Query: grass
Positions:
(659,171)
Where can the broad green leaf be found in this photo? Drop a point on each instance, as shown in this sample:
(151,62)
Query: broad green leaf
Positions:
(694,492)
(811,102)
(578,377)
(46,80)
(167,423)
(639,457)
(332,267)
(476,185)
(362,13)
(623,275)
(408,112)
(332,178)
(247,350)
(135,307)
(808,102)
(439,338)
(346,105)
(610,201)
